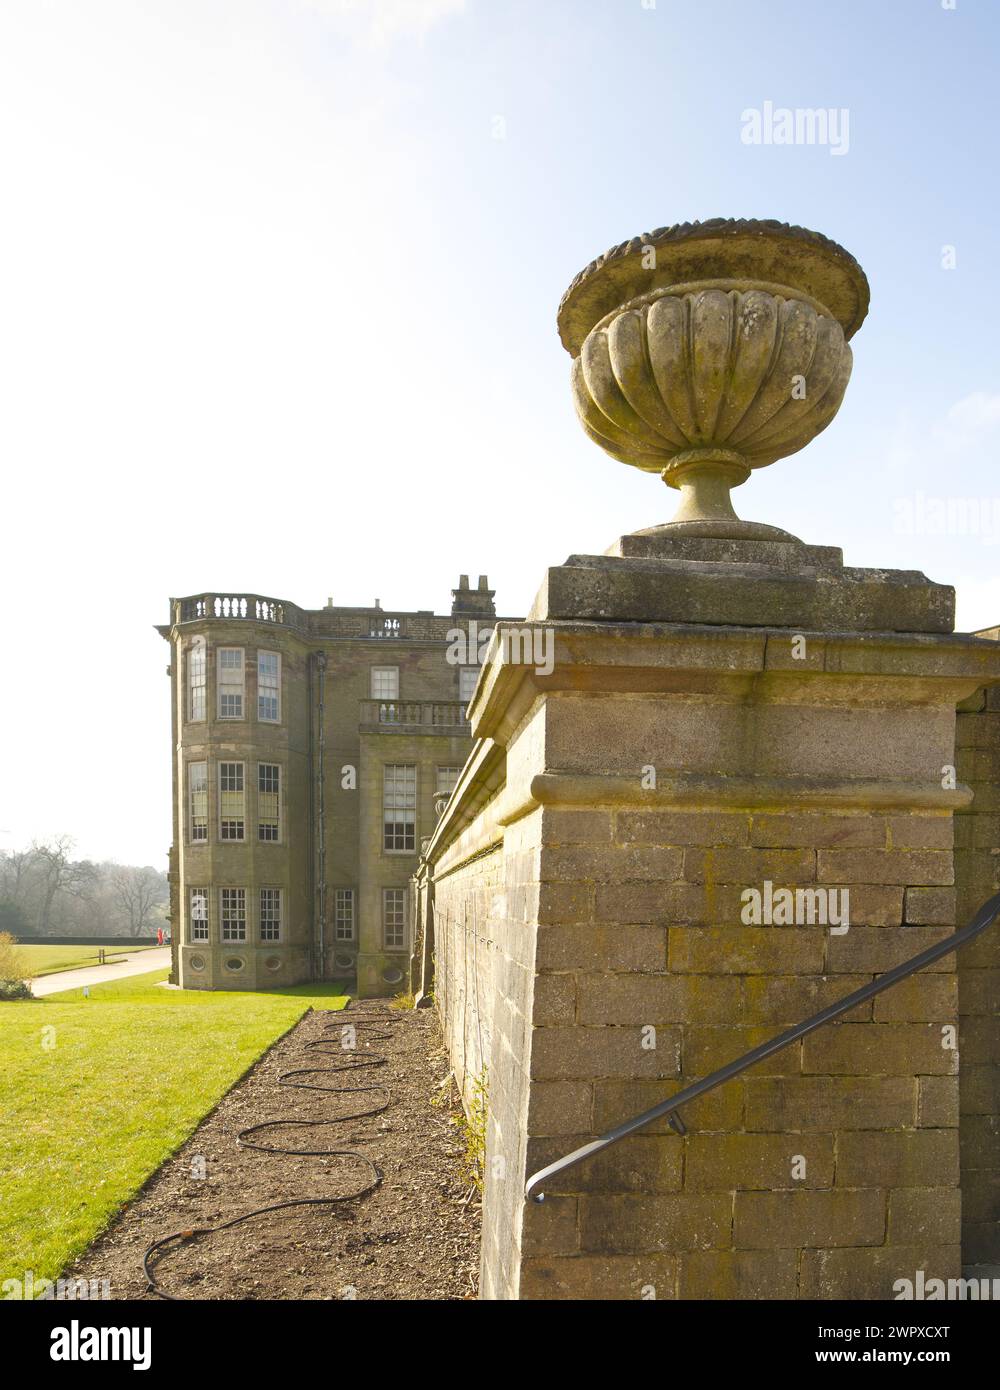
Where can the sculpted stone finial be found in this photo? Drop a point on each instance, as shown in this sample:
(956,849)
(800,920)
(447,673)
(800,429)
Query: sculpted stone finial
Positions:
(708,349)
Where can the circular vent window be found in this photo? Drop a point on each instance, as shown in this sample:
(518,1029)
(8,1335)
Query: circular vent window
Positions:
(343,961)
(196,962)
(393,976)
(273,963)
(235,964)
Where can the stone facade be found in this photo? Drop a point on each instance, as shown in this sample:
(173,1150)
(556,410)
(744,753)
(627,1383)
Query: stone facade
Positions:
(307,729)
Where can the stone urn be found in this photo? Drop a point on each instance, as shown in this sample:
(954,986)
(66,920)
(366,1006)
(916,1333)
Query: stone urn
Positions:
(708,349)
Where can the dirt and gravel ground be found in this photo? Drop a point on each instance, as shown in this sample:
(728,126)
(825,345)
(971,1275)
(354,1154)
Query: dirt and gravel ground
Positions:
(413,1235)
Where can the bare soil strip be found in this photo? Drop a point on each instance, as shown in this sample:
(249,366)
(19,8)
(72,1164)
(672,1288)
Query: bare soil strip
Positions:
(414,1236)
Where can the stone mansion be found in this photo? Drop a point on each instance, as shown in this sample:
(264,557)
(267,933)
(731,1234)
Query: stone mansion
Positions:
(312,750)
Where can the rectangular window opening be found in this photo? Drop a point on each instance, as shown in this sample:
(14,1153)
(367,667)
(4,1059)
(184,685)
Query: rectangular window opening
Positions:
(231,681)
(385,683)
(233,913)
(270,914)
(393,918)
(468,677)
(268,801)
(197,679)
(198,916)
(399,807)
(269,687)
(343,919)
(198,801)
(232,802)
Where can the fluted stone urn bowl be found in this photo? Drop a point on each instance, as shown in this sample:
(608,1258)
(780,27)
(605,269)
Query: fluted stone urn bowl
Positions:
(708,349)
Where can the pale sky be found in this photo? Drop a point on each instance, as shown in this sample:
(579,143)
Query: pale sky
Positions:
(278,282)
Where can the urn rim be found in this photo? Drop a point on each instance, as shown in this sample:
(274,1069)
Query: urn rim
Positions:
(734,249)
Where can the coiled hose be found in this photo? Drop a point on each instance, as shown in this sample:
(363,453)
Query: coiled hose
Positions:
(358,1018)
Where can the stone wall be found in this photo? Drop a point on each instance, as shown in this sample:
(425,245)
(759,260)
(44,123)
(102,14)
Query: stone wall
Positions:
(820,1173)
(592,957)
(381,969)
(977,847)
(485,891)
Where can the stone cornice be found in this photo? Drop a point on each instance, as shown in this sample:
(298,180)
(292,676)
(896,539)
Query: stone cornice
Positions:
(738,664)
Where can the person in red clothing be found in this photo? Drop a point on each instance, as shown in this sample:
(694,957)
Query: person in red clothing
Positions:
(159,936)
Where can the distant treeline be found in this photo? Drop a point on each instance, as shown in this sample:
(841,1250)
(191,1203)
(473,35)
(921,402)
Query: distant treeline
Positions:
(45,892)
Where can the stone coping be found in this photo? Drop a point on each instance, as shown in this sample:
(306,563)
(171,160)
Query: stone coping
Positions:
(748,593)
(582,647)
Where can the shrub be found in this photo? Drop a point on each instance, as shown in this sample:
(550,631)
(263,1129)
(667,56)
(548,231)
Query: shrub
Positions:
(11,961)
(473,1122)
(13,989)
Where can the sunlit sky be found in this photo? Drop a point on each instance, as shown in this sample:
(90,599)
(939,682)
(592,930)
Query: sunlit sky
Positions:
(278,282)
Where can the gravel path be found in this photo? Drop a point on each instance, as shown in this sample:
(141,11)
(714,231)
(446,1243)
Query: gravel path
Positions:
(414,1235)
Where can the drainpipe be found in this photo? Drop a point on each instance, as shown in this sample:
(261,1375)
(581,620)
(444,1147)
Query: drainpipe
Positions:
(319,942)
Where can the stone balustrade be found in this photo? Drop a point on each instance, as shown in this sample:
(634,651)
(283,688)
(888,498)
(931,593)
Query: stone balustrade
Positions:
(414,716)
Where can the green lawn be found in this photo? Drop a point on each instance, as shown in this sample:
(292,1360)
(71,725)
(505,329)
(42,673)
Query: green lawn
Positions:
(96,1093)
(47,960)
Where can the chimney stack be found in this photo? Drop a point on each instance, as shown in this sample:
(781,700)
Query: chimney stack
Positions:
(473,603)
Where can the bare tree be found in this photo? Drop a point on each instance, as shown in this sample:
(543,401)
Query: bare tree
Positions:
(15,869)
(60,874)
(140,894)
(45,889)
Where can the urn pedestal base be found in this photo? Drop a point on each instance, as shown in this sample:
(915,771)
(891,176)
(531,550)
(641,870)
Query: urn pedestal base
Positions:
(666,576)
(728,530)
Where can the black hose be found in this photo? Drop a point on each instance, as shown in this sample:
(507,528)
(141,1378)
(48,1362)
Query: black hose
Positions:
(244,1142)
(369,1035)
(366,1028)
(325,1044)
(197,1231)
(364,1019)
(283,1079)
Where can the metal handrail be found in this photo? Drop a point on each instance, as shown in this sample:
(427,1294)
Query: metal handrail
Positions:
(986,915)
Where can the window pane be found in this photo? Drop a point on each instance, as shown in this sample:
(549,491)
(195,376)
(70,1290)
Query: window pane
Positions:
(467,678)
(230,681)
(198,800)
(385,683)
(197,678)
(232,802)
(270,914)
(343,928)
(399,802)
(268,801)
(269,686)
(233,913)
(393,918)
(198,915)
